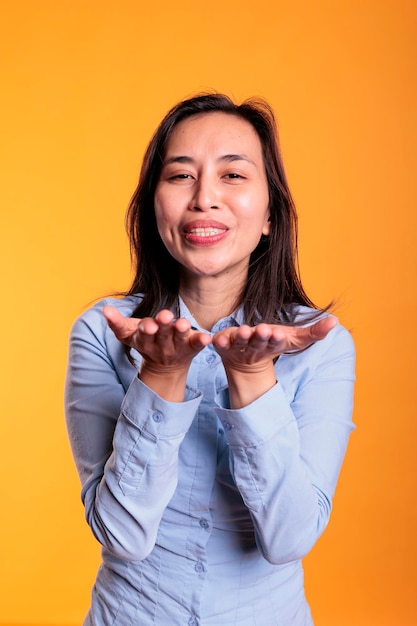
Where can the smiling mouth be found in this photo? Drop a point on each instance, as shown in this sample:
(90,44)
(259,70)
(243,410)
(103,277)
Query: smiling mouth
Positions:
(205,232)
(205,235)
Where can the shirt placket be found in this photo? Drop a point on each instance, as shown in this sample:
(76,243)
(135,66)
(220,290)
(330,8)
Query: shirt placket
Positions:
(205,368)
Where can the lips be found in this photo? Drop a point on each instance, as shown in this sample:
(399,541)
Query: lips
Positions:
(205,233)
(205,226)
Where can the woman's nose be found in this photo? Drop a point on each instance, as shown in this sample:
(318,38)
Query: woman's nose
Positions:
(205,196)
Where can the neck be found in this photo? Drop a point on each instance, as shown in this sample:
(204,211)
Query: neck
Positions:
(208,301)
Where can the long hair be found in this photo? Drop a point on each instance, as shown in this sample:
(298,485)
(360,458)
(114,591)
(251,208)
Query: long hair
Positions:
(273,284)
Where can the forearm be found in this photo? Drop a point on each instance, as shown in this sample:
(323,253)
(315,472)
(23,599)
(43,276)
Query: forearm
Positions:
(287,447)
(249,383)
(126,498)
(288,511)
(124,516)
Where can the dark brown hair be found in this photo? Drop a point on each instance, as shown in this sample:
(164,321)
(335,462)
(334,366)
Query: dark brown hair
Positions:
(273,285)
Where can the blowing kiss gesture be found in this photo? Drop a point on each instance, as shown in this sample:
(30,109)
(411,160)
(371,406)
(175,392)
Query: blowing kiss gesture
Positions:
(168,347)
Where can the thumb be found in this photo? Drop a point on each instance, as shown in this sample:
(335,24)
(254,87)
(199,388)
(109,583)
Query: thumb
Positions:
(320,329)
(123,327)
(112,315)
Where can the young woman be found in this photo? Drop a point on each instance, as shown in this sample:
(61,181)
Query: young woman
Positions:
(210,408)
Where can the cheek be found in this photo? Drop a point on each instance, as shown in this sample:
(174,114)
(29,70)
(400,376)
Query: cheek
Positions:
(162,227)
(257,211)
(166,207)
(165,224)
(162,213)
(158,203)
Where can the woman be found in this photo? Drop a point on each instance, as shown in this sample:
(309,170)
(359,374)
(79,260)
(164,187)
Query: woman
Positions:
(209,409)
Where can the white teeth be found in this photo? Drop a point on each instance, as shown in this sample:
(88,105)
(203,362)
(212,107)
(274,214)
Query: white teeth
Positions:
(206,232)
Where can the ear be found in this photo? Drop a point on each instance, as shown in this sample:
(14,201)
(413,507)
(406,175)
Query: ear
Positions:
(267,226)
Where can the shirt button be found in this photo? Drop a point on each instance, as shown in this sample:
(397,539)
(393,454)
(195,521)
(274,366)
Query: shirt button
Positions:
(227,426)
(199,567)
(223,325)
(193,621)
(204,524)
(157,416)
(211,358)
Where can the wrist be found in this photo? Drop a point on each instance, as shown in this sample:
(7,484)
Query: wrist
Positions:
(168,382)
(247,384)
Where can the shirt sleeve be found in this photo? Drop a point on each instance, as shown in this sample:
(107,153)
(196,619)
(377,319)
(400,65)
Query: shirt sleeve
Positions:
(286,452)
(125,444)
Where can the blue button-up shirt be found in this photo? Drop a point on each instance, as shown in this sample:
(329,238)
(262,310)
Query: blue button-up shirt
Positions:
(204,512)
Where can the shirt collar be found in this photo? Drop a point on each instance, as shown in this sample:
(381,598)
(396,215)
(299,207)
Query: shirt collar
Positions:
(235,319)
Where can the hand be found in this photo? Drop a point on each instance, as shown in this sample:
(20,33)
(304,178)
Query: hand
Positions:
(248,352)
(159,340)
(166,346)
(245,345)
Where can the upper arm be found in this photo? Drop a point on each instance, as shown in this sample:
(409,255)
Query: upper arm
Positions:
(93,393)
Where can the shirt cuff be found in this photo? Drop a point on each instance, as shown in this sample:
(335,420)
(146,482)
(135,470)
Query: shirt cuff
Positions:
(159,418)
(259,421)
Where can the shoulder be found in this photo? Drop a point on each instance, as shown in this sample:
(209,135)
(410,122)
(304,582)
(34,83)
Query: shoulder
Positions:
(305,316)
(93,345)
(330,358)
(126,305)
(92,323)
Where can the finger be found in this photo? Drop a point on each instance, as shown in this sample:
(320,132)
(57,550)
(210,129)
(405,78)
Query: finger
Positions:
(112,315)
(221,341)
(304,337)
(241,337)
(182,327)
(198,340)
(148,327)
(170,329)
(279,336)
(164,318)
(320,329)
(122,327)
(260,337)
(235,339)
(160,326)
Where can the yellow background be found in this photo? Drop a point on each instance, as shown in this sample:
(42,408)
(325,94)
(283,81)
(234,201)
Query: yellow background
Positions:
(84,84)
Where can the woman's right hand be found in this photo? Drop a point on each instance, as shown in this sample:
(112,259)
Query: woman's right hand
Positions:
(166,346)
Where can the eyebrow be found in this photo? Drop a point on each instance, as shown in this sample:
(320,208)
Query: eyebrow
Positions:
(228,158)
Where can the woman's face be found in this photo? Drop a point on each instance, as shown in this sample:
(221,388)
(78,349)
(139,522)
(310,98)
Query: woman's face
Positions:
(211,200)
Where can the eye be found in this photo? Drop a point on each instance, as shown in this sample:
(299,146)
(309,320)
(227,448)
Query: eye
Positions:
(180,177)
(234,177)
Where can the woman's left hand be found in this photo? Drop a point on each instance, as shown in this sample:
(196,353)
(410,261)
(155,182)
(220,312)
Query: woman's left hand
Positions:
(248,352)
(246,345)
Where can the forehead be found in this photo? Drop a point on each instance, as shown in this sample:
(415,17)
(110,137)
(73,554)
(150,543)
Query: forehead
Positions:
(216,131)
